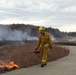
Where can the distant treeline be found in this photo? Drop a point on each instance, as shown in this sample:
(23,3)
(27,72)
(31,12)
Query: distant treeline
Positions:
(72,34)
(33,30)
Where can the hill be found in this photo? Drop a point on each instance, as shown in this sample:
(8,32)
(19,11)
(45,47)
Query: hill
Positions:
(20,32)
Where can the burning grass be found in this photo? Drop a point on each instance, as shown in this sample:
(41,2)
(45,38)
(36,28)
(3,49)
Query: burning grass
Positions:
(20,54)
(4,67)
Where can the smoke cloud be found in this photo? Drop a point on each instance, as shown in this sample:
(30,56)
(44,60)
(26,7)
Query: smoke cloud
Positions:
(6,33)
(53,38)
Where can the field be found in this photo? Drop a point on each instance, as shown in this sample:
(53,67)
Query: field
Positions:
(20,54)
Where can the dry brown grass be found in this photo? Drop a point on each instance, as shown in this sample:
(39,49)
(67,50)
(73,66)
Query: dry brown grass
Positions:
(21,55)
(71,43)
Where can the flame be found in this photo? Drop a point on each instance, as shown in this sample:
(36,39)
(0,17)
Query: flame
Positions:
(1,66)
(11,65)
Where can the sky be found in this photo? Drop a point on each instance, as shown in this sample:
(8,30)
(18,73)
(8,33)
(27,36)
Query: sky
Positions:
(59,14)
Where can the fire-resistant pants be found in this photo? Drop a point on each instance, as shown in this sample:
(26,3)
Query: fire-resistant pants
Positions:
(44,52)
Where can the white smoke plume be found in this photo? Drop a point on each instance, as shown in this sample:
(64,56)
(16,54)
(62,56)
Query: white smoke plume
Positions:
(6,33)
(53,38)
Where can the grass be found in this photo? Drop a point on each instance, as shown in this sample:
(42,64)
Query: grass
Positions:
(21,55)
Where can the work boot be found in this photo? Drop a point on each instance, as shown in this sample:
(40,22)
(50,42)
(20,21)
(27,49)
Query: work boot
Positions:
(45,64)
(42,65)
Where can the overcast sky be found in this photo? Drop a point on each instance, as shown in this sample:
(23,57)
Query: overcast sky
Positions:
(59,14)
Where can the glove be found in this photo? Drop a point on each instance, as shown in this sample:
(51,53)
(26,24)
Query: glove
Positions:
(36,49)
(50,46)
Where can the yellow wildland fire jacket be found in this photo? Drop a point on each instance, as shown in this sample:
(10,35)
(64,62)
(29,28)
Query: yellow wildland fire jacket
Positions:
(44,40)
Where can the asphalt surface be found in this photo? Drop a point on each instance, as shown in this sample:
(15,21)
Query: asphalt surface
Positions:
(62,66)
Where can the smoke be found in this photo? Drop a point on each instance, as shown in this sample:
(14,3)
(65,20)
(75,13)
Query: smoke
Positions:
(53,38)
(6,33)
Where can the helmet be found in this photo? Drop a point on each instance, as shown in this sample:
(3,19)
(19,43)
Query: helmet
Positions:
(41,29)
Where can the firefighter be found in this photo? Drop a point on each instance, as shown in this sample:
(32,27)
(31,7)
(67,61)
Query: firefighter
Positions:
(44,43)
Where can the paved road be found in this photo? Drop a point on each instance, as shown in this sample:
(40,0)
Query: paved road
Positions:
(63,66)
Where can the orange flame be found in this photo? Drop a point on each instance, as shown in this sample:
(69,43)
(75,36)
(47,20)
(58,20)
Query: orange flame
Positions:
(11,65)
(2,64)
